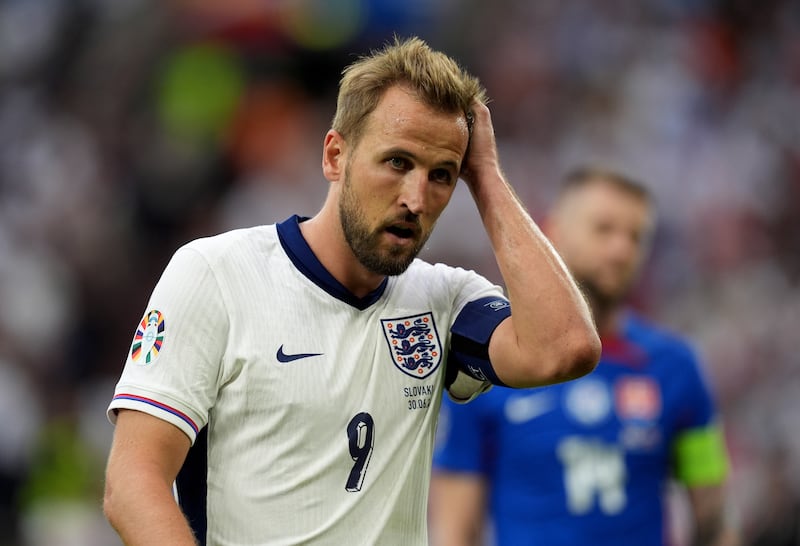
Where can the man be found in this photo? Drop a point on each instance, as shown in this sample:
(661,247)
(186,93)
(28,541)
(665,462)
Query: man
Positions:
(312,353)
(586,462)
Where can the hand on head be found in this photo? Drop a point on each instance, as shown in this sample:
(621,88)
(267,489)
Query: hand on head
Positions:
(481,154)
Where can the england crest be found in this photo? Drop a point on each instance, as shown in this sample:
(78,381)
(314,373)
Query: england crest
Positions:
(414,344)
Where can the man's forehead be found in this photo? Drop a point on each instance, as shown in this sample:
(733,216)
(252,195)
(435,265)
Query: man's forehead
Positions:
(399,104)
(414,127)
(591,191)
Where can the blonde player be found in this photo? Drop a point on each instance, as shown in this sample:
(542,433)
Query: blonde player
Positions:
(312,354)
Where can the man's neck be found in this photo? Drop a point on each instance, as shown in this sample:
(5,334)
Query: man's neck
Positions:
(608,319)
(324,236)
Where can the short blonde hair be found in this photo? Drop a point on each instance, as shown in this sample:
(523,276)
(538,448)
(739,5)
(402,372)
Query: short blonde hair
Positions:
(436,78)
(587,174)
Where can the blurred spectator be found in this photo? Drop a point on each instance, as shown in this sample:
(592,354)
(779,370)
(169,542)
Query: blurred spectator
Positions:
(19,405)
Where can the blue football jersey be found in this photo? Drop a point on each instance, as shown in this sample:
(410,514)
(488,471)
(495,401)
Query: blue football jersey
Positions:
(585,461)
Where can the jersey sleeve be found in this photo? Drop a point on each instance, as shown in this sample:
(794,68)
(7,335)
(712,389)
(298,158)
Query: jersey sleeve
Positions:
(700,456)
(173,364)
(698,450)
(472,331)
(477,307)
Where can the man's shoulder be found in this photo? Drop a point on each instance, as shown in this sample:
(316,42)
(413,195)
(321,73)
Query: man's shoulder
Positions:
(422,268)
(236,242)
(657,337)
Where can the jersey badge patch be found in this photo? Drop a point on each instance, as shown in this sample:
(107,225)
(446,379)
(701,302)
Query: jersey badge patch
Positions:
(413,344)
(149,338)
(637,398)
(588,401)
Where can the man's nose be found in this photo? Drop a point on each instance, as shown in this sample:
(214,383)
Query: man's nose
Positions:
(414,194)
(623,246)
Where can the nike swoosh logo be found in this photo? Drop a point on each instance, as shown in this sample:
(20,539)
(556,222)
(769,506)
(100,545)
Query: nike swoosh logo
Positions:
(283,357)
(520,409)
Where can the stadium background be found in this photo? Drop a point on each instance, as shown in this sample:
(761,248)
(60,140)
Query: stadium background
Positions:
(128,127)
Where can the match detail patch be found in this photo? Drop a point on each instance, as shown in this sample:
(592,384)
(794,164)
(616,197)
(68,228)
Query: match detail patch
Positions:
(149,338)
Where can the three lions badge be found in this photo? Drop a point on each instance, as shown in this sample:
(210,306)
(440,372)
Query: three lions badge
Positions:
(414,344)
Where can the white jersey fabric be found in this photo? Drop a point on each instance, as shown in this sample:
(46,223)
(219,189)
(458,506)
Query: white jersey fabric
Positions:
(320,408)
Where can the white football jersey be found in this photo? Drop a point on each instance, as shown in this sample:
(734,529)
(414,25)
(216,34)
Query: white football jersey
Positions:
(320,408)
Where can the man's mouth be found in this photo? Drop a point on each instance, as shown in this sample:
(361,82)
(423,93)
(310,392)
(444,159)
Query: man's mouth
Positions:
(401,232)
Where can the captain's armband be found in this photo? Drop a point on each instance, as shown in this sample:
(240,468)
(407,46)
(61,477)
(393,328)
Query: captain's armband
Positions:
(471,333)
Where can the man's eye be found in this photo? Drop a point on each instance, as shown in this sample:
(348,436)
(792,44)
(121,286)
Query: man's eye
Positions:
(397,162)
(441,175)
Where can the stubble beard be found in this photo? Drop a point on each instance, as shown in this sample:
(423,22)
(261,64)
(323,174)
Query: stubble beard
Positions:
(602,301)
(366,244)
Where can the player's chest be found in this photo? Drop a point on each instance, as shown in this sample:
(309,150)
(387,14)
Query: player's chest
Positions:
(330,354)
(624,409)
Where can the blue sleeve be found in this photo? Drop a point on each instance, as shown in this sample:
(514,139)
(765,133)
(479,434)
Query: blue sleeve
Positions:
(698,408)
(471,332)
(699,453)
(462,439)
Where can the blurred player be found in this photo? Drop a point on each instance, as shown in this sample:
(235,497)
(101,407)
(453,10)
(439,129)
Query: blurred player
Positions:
(306,360)
(588,461)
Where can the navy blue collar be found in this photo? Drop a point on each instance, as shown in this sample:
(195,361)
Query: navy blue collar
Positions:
(306,262)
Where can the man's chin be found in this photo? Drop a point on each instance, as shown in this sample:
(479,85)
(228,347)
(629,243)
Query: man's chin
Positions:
(613,298)
(398,264)
(604,296)
(390,264)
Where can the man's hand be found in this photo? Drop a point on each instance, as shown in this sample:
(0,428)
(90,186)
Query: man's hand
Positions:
(481,158)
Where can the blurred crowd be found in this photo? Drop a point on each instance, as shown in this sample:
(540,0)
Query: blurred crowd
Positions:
(128,127)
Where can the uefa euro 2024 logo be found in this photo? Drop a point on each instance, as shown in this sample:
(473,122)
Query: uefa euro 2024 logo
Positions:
(149,338)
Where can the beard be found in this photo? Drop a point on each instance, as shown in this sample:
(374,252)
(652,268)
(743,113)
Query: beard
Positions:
(366,244)
(601,299)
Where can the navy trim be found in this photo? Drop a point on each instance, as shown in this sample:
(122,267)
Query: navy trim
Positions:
(471,332)
(306,262)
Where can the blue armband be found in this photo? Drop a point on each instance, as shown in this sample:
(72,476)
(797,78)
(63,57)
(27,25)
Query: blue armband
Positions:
(471,332)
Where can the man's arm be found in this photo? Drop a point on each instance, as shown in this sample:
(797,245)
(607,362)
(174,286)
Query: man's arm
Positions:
(457,507)
(146,455)
(550,336)
(700,463)
(711,527)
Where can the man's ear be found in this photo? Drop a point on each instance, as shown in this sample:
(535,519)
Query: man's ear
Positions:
(333,156)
